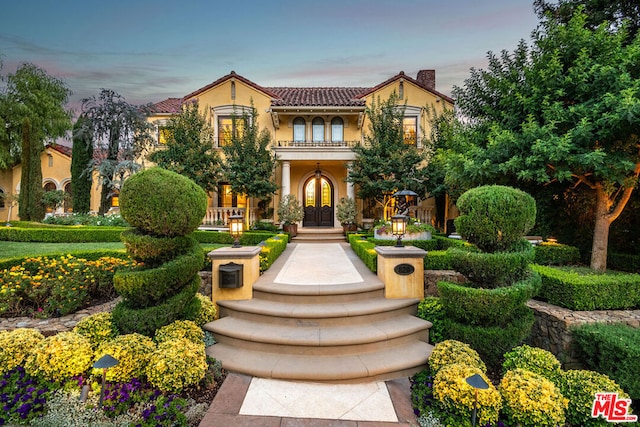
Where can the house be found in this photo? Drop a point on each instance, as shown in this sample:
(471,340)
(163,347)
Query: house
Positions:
(314,130)
(56,175)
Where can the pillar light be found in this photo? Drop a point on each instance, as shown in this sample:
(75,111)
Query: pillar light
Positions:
(399,228)
(236,224)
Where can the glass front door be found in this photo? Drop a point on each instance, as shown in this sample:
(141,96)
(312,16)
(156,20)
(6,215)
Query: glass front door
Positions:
(318,203)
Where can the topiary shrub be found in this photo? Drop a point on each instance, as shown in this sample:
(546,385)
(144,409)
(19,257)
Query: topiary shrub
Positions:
(530,400)
(132,351)
(162,203)
(60,357)
(533,359)
(449,352)
(204,312)
(495,217)
(16,345)
(455,398)
(97,328)
(176,364)
(580,387)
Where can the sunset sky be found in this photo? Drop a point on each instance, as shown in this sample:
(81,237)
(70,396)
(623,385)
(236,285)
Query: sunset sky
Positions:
(151,50)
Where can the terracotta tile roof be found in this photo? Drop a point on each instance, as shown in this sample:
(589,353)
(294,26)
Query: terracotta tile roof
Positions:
(231,75)
(317,96)
(405,77)
(63,149)
(169,106)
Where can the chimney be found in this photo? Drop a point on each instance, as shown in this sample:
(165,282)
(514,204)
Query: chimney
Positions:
(427,78)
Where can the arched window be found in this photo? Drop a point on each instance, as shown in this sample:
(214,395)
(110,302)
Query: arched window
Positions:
(337,129)
(68,198)
(299,129)
(318,129)
(50,186)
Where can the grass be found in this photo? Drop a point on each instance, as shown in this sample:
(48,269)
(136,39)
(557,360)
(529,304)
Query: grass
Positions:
(22,249)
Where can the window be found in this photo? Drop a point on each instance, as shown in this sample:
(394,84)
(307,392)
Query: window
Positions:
(163,135)
(2,197)
(68,198)
(410,127)
(299,129)
(337,129)
(50,160)
(317,128)
(233,90)
(115,199)
(228,199)
(228,127)
(401,90)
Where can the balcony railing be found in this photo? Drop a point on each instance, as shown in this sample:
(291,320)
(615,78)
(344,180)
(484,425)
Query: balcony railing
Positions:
(220,216)
(322,144)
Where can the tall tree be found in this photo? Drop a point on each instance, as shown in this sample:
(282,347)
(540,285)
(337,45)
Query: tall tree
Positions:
(121,133)
(385,163)
(189,148)
(249,164)
(81,160)
(34,110)
(567,110)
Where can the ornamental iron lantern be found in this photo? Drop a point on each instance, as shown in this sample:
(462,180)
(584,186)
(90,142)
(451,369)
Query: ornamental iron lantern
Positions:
(236,228)
(399,228)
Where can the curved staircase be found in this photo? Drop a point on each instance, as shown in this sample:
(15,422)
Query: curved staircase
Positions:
(321,333)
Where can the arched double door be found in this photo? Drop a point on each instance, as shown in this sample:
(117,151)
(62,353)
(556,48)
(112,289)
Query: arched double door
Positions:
(318,202)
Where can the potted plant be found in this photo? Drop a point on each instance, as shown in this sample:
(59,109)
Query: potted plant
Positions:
(290,213)
(346,213)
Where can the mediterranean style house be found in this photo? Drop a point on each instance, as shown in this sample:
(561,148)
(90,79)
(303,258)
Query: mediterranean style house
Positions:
(313,131)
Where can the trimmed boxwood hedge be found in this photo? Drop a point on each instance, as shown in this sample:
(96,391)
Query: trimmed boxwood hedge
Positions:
(611,349)
(154,250)
(146,320)
(88,255)
(61,234)
(272,249)
(547,253)
(438,260)
(575,291)
(478,306)
(365,250)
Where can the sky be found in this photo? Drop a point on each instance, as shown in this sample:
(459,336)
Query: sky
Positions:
(148,51)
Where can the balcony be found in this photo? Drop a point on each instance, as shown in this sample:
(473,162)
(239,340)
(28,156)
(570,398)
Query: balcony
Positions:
(321,144)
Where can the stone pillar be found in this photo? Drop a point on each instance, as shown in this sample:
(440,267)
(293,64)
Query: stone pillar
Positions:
(286,178)
(402,271)
(246,256)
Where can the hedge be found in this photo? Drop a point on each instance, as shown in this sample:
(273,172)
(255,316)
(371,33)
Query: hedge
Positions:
(88,255)
(365,250)
(438,260)
(611,349)
(492,270)
(547,253)
(623,262)
(593,291)
(57,234)
(272,249)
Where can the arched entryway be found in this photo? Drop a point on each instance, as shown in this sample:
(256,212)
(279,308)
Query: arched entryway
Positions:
(318,202)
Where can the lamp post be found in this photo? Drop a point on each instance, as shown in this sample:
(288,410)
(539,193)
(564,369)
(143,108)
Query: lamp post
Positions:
(399,228)
(478,383)
(236,224)
(105,362)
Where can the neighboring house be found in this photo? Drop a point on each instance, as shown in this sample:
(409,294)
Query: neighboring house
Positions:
(313,131)
(56,175)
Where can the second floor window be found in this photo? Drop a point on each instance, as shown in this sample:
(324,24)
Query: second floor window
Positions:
(299,129)
(318,129)
(163,135)
(410,128)
(228,199)
(228,127)
(337,130)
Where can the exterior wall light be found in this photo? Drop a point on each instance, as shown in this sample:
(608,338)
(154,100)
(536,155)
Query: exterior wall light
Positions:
(236,224)
(399,228)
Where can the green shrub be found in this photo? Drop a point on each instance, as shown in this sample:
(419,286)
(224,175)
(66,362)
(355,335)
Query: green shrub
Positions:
(145,321)
(495,217)
(492,270)
(438,260)
(272,249)
(492,342)
(456,398)
(479,306)
(15,346)
(205,311)
(451,352)
(580,387)
(549,253)
(589,290)
(180,329)
(207,236)
(112,220)
(533,359)
(445,243)
(60,357)
(97,328)
(162,203)
(623,262)
(176,364)
(530,400)
(365,250)
(613,350)
(430,309)
(61,234)
(132,351)
(154,250)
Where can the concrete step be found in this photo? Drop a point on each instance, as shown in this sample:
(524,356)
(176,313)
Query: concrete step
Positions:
(319,235)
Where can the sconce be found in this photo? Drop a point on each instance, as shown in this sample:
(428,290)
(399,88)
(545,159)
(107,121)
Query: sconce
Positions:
(399,228)
(236,224)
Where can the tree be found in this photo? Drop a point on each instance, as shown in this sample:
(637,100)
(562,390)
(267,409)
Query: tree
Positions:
(120,135)
(33,109)
(568,110)
(81,160)
(385,163)
(249,164)
(189,148)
